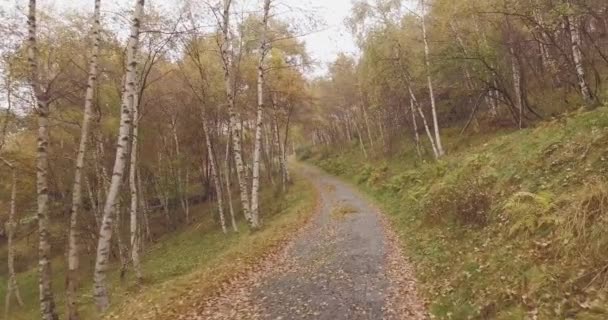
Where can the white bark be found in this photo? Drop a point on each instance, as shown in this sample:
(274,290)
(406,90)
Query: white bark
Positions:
(577,55)
(361,144)
(229,187)
(134,225)
(105,234)
(415,124)
(73,258)
(438,143)
(517,86)
(226,55)
(11,226)
(45,289)
(424,122)
(255,186)
(214,172)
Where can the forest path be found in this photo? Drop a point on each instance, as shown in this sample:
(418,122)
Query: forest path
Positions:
(344,265)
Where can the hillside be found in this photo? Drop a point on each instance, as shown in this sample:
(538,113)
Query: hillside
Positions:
(507,226)
(181,266)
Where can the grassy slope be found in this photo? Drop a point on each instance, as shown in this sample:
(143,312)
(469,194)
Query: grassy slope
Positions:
(508,225)
(185,265)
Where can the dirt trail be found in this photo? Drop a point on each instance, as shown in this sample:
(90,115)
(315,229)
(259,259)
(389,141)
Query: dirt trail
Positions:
(344,265)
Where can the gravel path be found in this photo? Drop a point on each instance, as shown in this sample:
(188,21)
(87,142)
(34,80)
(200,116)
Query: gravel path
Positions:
(345,264)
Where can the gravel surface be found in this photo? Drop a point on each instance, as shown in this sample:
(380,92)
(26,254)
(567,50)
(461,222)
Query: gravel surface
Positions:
(346,264)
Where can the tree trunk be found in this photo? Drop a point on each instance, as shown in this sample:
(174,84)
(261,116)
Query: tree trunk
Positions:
(577,55)
(144,206)
(415,125)
(47,300)
(11,226)
(214,172)
(122,249)
(517,85)
(228,185)
(134,225)
(424,122)
(226,55)
(360,138)
(93,201)
(286,175)
(73,258)
(257,149)
(427,61)
(177,169)
(367,126)
(105,234)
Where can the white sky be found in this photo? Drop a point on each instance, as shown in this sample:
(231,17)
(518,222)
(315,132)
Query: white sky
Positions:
(323,45)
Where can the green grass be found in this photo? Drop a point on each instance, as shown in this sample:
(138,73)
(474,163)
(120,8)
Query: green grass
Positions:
(508,225)
(185,265)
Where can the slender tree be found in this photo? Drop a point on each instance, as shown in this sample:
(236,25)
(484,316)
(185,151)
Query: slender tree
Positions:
(73,259)
(226,53)
(47,300)
(257,149)
(11,226)
(105,234)
(427,62)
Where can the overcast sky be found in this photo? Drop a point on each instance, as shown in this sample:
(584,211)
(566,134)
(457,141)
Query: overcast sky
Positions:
(323,45)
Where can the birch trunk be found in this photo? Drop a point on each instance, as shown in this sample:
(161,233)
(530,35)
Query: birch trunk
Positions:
(517,85)
(424,122)
(144,206)
(415,124)
(360,138)
(47,300)
(255,184)
(122,249)
(286,175)
(367,126)
(177,169)
(105,234)
(134,225)
(229,187)
(93,200)
(427,62)
(73,258)
(11,226)
(226,55)
(577,55)
(214,173)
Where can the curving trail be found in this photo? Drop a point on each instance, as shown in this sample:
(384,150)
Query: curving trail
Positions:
(344,265)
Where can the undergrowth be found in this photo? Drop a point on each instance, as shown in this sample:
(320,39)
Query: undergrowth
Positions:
(182,266)
(509,225)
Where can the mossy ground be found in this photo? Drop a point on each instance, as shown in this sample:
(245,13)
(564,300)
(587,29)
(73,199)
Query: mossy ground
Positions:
(509,225)
(182,265)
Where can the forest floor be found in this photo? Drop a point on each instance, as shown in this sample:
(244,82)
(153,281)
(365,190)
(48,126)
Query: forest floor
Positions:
(345,264)
(180,266)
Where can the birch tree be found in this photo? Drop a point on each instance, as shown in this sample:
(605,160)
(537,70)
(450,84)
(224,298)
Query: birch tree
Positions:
(47,299)
(264,48)
(11,225)
(577,55)
(235,128)
(133,186)
(73,259)
(105,234)
(427,62)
